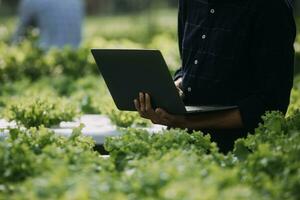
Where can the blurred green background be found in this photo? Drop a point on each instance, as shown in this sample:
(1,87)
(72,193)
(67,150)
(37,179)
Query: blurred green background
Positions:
(96,7)
(138,21)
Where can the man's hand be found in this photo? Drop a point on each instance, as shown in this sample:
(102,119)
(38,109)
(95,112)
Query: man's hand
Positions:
(157,116)
(178,84)
(221,120)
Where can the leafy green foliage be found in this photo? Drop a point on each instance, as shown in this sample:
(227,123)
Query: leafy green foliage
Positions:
(26,152)
(28,61)
(184,174)
(17,62)
(91,95)
(43,160)
(173,164)
(136,144)
(270,158)
(68,167)
(33,112)
(126,119)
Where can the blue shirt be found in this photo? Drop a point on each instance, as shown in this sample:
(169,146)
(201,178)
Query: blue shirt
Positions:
(237,52)
(59,21)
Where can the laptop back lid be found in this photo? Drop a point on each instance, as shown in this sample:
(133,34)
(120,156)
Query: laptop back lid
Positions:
(128,72)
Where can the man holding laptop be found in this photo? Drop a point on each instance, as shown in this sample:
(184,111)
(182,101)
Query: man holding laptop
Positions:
(234,52)
(237,63)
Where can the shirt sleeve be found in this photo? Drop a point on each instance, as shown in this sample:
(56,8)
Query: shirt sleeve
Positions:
(273,60)
(26,10)
(181,22)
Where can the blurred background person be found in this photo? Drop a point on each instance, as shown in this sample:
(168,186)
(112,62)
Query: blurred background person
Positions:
(59,22)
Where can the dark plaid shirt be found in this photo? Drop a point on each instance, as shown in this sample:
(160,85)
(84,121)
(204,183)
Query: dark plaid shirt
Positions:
(237,52)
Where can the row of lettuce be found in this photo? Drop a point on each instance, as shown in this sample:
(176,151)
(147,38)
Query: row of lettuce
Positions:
(37,164)
(50,101)
(27,61)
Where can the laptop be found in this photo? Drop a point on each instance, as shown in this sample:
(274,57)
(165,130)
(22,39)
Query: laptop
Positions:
(127,72)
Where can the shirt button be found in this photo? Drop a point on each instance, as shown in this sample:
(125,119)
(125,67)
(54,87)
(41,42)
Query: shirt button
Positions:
(189,89)
(203,37)
(212,11)
(196,62)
